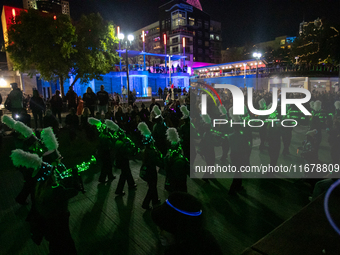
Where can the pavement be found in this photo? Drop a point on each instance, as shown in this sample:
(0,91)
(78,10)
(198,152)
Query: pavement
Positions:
(102,223)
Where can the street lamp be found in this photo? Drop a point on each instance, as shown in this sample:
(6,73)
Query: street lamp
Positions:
(257,55)
(130,38)
(120,37)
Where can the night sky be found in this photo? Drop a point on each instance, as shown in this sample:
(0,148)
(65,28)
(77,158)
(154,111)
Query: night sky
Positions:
(243,21)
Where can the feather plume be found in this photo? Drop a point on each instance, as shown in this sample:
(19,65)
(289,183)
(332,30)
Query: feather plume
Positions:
(23,129)
(270,105)
(232,116)
(172,135)
(262,103)
(111,125)
(185,112)
(222,109)
(337,105)
(317,105)
(144,129)
(49,139)
(25,159)
(93,121)
(206,118)
(156,110)
(311,104)
(8,121)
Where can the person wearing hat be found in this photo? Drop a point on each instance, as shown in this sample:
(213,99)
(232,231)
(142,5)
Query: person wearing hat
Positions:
(28,142)
(49,215)
(150,159)
(184,131)
(176,165)
(159,131)
(181,226)
(123,149)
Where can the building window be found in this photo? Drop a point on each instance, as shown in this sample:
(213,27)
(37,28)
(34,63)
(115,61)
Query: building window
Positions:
(206,52)
(191,21)
(206,43)
(178,19)
(206,25)
(283,42)
(168,23)
(217,37)
(175,40)
(175,49)
(200,59)
(199,42)
(212,37)
(200,51)
(163,24)
(199,23)
(211,28)
(199,33)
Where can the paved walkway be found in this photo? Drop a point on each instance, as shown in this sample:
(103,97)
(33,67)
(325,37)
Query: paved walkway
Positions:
(102,223)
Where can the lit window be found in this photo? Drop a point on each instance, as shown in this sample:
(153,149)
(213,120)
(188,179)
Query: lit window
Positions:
(217,37)
(212,37)
(206,43)
(191,21)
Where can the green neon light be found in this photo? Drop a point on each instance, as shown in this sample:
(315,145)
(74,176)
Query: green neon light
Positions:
(210,95)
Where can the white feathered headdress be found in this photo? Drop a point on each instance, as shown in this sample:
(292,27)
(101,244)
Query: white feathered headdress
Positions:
(111,125)
(232,116)
(337,105)
(8,121)
(23,129)
(93,121)
(172,135)
(26,159)
(317,105)
(222,109)
(144,129)
(206,118)
(49,139)
(262,103)
(156,110)
(185,112)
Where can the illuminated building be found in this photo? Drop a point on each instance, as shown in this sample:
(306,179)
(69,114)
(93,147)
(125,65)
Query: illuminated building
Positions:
(54,6)
(180,19)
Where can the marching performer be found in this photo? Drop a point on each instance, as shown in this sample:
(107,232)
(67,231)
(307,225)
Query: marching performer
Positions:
(150,159)
(176,165)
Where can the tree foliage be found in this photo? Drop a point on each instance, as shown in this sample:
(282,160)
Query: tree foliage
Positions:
(56,48)
(39,42)
(96,48)
(319,43)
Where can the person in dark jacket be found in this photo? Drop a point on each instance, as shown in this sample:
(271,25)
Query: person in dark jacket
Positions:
(57,105)
(72,98)
(89,99)
(72,123)
(37,106)
(103,100)
(51,121)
